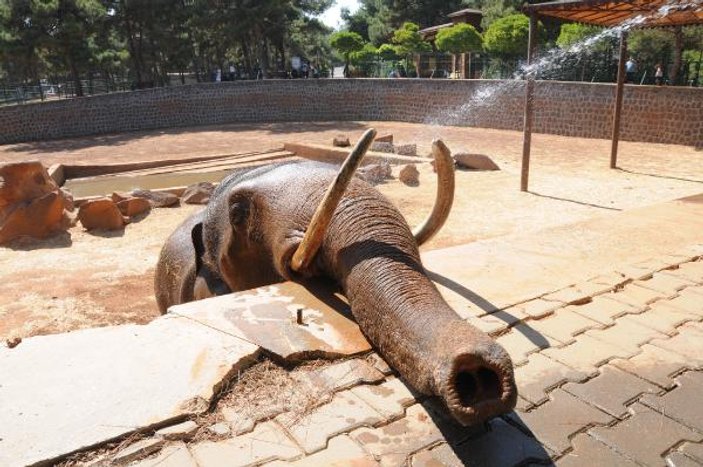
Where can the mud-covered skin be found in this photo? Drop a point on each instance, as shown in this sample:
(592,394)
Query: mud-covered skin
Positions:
(251,228)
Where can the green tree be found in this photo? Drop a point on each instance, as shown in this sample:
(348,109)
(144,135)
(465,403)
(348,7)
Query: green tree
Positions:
(458,39)
(409,43)
(507,37)
(346,43)
(574,33)
(387,52)
(365,59)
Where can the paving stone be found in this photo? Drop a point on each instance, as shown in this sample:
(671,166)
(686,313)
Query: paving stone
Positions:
(138,450)
(637,296)
(539,308)
(654,364)
(611,391)
(693,450)
(341,451)
(239,422)
(522,340)
(554,422)
(541,374)
(587,354)
(501,445)
(659,263)
(663,317)
(343,414)
(563,325)
(568,296)
(626,334)
(389,398)
(602,310)
(267,442)
(679,459)
(688,300)
(498,321)
(643,271)
(393,443)
(348,373)
(696,289)
(182,431)
(688,342)
(666,284)
(173,455)
(608,281)
(683,403)
(646,436)
(692,271)
(589,452)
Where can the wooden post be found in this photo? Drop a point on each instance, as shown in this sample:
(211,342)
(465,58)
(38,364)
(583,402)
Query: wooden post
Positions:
(618,100)
(529,108)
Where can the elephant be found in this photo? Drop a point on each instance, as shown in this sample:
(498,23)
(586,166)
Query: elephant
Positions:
(296,221)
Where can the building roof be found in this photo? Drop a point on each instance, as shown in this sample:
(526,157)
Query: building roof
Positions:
(613,12)
(465,11)
(433,29)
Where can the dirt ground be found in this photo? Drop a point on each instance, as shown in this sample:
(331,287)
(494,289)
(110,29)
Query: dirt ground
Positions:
(83,279)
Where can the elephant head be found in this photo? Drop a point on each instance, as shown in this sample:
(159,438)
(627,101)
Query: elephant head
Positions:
(299,221)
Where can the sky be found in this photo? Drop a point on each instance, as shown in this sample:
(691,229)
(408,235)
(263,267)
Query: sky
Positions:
(332,16)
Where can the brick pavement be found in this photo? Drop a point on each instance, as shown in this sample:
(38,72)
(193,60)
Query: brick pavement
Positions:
(609,372)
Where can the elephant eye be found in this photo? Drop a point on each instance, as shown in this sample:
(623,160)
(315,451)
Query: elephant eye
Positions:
(238,212)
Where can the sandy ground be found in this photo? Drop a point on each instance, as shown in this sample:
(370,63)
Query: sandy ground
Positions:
(82,280)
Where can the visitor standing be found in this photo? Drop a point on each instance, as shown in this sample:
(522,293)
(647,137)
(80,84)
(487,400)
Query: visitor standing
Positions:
(630,70)
(659,75)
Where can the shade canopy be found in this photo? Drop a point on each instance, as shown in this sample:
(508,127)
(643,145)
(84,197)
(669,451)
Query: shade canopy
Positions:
(613,12)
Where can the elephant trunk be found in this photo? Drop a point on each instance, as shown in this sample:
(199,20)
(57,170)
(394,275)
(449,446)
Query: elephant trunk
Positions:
(404,316)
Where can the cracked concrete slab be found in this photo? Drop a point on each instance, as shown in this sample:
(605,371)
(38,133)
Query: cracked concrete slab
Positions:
(267,317)
(71,391)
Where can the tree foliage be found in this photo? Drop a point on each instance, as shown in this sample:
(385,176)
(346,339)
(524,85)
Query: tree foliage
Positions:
(459,38)
(507,37)
(409,41)
(147,40)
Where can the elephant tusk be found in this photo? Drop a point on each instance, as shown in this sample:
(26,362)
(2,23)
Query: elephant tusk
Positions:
(444,165)
(315,232)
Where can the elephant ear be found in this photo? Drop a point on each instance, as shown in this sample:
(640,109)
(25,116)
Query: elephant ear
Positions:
(196,236)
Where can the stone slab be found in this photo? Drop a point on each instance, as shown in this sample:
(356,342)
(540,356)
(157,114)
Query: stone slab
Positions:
(267,318)
(76,390)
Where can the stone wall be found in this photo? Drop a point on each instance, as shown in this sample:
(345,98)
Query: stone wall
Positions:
(654,114)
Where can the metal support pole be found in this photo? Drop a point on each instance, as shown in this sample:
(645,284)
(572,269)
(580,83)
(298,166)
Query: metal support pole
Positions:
(618,100)
(529,107)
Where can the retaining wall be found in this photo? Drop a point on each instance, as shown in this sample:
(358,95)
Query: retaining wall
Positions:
(653,114)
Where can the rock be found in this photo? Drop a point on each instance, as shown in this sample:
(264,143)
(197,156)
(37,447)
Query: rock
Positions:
(375,173)
(67,200)
(466,160)
(31,203)
(133,206)
(198,193)
(387,138)
(382,147)
(118,196)
(157,199)
(13,342)
(101,213)
(219,429)
(406,149)
(341,141)
(410,175)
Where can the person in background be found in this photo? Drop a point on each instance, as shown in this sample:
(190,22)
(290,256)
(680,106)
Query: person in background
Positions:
(659,75)
(630,70)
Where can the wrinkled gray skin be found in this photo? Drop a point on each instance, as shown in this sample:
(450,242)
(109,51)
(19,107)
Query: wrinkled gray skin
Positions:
(252,226)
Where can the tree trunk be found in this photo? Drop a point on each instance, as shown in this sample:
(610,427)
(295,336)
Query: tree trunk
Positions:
(453,65)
